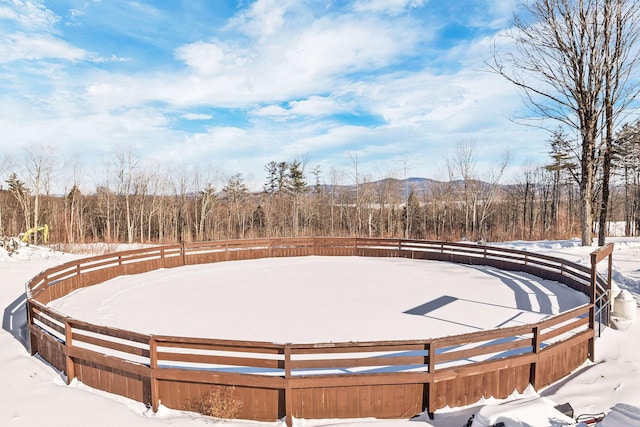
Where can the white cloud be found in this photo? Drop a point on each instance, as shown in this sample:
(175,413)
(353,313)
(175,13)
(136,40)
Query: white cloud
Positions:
(294,61)
(224,137)
(391,7)
(297,62)
(266,18)
(103,59)
(20,46)
(195,116)
(501,11)
(273,111)
(332,46)
(114,93)
(314,106)
(92,133)
(301,61)
(218,146)
(29,14)
(212,58)
(445,103)
(317,106)
(74,13)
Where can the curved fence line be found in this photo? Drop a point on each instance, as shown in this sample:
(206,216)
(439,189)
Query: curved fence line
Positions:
(384,379)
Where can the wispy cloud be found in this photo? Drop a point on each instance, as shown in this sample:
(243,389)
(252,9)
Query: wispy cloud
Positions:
(195,116)
(29,15)
(20,46)
(392,7)
(298,61)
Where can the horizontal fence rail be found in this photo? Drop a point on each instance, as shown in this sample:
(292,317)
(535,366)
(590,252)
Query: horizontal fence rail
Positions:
(386,379)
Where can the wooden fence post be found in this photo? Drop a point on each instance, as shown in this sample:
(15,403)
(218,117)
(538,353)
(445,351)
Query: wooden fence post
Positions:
(592,301)
(597,256)
(153,364)
(33,342)
(535,342)
(68,338)
(610,267)
(431,363)
(288,392)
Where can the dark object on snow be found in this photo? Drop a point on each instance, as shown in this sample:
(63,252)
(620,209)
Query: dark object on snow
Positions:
(566,409)
(590,419)
(470,422)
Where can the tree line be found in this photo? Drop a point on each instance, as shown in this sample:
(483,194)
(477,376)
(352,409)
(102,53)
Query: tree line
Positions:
(136,204)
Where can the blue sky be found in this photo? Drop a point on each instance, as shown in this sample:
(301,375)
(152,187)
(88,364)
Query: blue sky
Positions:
(229,86)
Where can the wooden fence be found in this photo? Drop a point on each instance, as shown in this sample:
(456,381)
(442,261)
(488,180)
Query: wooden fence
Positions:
(388,379)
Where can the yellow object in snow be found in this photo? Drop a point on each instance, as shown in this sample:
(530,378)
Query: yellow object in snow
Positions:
(45,233)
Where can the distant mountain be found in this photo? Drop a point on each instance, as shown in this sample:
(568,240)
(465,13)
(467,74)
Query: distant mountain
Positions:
(418,185)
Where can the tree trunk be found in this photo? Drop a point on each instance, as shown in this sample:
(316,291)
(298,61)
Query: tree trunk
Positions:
(586,187)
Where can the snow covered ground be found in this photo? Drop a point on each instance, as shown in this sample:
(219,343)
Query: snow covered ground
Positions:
(32,393)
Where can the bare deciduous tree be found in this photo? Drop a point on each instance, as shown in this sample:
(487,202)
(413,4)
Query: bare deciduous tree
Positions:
(39,162)
(621,33)
(574,62)
(236,192)
(126,164)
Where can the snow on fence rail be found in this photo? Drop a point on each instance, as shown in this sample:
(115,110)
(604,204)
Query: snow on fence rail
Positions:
(386,379)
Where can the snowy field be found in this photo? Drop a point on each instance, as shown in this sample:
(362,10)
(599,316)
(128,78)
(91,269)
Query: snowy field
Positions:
(33,394)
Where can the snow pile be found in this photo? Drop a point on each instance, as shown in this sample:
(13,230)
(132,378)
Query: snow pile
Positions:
(622,415)
(531,411)
(28,252)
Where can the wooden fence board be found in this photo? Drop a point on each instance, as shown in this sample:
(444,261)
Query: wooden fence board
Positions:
(49,348)
(376,402)
(110,345)
(554,365)
(342,402)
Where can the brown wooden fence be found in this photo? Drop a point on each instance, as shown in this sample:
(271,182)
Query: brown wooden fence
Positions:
(387,379)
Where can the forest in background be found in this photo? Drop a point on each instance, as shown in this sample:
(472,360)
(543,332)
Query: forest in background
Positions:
(140,204)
